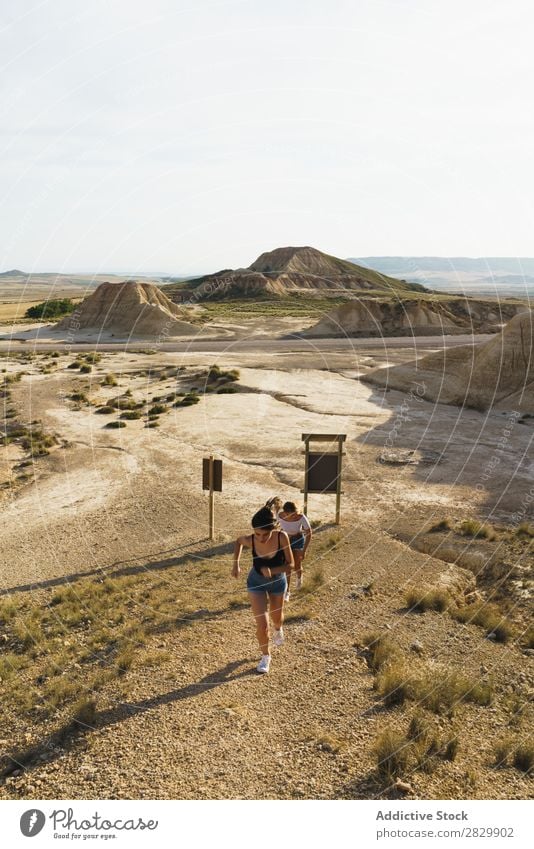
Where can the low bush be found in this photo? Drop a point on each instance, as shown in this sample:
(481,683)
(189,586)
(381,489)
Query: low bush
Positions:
(392,754)
(472,528)
(424,598)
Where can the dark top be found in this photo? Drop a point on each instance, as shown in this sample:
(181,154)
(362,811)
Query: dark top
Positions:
(259,562)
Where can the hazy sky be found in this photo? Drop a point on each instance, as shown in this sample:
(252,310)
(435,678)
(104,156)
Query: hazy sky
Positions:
(191,136)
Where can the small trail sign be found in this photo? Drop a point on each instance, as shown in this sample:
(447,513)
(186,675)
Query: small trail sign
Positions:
(212,481)
(322,470)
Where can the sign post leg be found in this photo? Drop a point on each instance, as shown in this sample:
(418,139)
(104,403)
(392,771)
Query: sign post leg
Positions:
(306,463)
(211,502)
(338,482)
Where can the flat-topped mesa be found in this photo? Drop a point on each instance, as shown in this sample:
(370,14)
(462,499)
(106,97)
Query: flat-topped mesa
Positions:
(129,308)
(496,373)
(282,271)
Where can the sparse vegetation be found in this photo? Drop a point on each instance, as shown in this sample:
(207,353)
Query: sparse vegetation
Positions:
(115,424)
(314,580)
(425,598)
(188,400)
(487,616)
(473,528)
(110,380)
(394,684)
(379,648)
(524,757)
(392,754)
(443,525)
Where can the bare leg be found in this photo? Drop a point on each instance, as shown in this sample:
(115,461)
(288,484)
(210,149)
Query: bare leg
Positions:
(276,608)
(258,602)
(297,555)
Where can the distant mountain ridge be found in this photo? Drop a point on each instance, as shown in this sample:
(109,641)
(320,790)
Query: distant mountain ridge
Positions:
(482,265)
(500,276)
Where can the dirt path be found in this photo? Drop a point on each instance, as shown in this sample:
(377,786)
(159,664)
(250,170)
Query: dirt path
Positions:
(203,724)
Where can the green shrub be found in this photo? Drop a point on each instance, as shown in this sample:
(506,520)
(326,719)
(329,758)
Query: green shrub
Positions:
(157,409)
(50,309)
(115,424)
(85,368)
(188,401)
(110,380)
(132,414)
(227,390)
(106,410)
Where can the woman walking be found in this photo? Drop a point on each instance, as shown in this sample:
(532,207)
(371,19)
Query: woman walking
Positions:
(266,581)
(298,528)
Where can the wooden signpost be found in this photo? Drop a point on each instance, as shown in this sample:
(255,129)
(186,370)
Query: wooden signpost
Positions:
(212,481)
(322,470)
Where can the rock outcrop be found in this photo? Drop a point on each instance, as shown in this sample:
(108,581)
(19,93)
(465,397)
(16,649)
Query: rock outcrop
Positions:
(496,373)
(128,309)
(412,317)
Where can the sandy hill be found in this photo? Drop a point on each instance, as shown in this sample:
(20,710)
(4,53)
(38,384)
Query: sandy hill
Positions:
(497,373)
(293,269)
(414,316)
(129,308)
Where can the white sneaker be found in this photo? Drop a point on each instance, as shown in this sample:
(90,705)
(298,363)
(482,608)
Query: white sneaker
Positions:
(287,595)
(278,637)
(265,662)
(298,585)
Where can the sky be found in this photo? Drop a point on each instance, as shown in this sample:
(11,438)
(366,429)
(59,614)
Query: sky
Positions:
(186,137)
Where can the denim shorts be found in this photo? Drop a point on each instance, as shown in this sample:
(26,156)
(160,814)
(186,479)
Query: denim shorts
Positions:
(297,544)
(276,585)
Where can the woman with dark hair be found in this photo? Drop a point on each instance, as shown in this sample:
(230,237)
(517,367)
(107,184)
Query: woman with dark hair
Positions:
(298,528)
(266,581)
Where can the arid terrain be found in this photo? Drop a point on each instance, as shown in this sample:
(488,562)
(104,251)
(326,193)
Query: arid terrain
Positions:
(128,654)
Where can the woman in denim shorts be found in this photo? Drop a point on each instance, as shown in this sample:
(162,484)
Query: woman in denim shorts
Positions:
(266,582)
(298,528)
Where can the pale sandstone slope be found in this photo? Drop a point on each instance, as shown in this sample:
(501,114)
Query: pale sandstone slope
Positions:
(497,373)
(406,317)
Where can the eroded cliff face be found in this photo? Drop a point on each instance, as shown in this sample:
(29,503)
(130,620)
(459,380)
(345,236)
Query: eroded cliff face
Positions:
(403,317)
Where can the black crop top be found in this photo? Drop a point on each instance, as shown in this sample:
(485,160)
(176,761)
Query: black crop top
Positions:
(259,562)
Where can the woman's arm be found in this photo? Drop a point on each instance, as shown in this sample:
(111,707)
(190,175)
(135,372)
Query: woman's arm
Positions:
(288,555)
(238,548)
